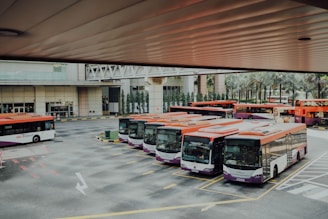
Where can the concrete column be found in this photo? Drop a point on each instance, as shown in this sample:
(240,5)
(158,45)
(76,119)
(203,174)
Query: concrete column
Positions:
(202,84)
(40,100)
(219,84)
(155,89)
(188,84)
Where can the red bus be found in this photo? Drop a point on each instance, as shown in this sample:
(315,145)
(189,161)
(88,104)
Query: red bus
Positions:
(312,112)
(255,110)
(214,103)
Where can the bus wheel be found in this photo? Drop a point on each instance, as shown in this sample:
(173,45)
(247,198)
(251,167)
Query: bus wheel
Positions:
(298,157)
(250,117)
(36,138)
(316,124)
(275,172)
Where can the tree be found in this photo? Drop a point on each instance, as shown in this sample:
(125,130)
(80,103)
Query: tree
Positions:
(142,101)
(132,99)
(147,101)
(122,103)
(128,101)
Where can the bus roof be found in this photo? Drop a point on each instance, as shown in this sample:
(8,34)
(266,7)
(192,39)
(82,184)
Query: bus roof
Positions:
(200,124)
(269,105)
(22,118)
(269,133)
(222,130)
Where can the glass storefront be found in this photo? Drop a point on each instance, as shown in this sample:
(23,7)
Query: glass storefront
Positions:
(17,108)
(63,109)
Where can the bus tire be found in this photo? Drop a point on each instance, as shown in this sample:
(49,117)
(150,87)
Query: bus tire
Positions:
(298,157)
(36,138)
(275,172)
(316,124)
(250,117)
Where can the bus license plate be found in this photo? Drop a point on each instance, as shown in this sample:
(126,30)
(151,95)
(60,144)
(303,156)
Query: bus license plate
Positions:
(240,179)
(194,170)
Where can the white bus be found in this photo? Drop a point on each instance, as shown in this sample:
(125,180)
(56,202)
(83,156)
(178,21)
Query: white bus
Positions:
(261,154)
(25,128)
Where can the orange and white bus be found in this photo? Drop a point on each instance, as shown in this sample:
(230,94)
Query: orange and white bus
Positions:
(255,110)
(278,99)
(312,112)
(202,151)
(284,114)
(214,103)
(25,128)
(225,113)
(123,123)
(260,154)
(136,126)
(168,143)
(150,133)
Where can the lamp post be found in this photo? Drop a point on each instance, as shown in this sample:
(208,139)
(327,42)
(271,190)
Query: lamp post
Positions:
(280,79)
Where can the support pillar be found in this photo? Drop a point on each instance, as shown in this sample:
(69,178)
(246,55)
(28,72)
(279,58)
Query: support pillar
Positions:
(219,84)
(155,89)
(188,84)
(202,85)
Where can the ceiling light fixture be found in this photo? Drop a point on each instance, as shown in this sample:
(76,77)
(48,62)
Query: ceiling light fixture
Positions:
(10,32)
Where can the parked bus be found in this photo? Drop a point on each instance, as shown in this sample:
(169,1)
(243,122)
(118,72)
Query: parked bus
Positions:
(168,143)
(214,103)
(213,111)
(263,153)
(136,126)
(284,114)
(254,110)
(202,151)
(123,130)
(312,112)
(278,99)
(25,128)
(150,133)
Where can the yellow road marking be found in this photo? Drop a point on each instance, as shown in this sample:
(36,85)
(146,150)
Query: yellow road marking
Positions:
(148,172)
(168,208)
(178,173)
(170,186)
(131,162)
(117,154)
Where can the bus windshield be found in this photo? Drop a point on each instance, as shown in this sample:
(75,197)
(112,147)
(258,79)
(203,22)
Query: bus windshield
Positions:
(123,127)
(196,149)
(243,153)
(168,141)
(136,130)
(150,134)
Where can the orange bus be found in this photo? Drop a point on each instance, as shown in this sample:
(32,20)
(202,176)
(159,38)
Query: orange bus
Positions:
(312,112)
(168,143)
(226,113)
(214,103)
(25,128)
(255,110)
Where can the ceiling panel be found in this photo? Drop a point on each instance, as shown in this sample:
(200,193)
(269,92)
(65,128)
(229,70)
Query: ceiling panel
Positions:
(252,34)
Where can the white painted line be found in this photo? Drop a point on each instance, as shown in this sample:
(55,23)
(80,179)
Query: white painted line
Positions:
(319,195)
(302,189)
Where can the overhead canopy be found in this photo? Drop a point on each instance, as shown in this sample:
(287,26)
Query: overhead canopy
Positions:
(236,34)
